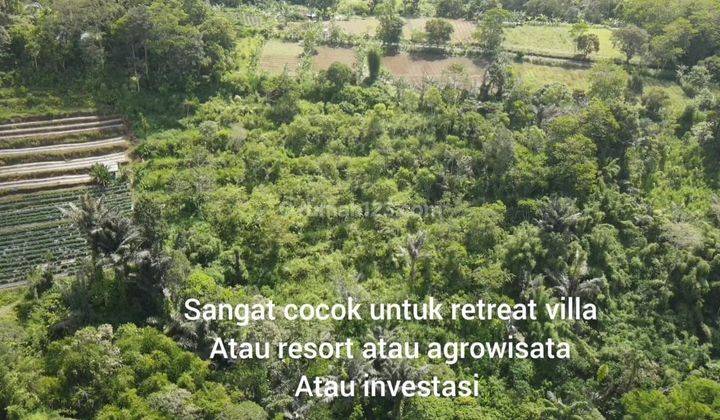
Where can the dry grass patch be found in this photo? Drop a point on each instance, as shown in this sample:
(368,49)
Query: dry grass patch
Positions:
(276,56)
(538,75)
(328,55)
(417,68)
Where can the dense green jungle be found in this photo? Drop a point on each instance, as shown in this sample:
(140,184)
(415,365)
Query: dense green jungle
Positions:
(312,151)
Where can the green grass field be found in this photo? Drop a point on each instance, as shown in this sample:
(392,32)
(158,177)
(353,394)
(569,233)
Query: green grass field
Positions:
(24,103)
(556,41)
(9,327)
(538,75)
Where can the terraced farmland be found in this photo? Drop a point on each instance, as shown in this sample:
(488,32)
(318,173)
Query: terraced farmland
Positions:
(45,165)
(42,154)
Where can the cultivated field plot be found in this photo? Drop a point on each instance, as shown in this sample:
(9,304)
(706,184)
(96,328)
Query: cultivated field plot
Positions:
(278,56)
(417,69)
(358,26)
(34,231)
(46,153)
(328,55)
(463,29)
(543,40)
(249,17)
(367,26)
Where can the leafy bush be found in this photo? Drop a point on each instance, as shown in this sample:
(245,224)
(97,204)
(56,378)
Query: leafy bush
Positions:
(101,175)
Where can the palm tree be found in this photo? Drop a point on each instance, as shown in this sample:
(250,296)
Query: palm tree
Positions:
(543,327)
(574,282)
(114,239)
(190,335)
(560,215)
(399,370)
(555,408)
(108,233)
(86,218)
(411,252)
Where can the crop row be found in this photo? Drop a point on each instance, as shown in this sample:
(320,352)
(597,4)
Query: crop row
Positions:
(35,234)
(22,201)
(22,251)
(52,126)
(53,121)
(50,213)
(33,230)
(47,212)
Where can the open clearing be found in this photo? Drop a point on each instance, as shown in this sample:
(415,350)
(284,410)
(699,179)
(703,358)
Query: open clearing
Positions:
(411,67)
(556,41)
(22,103)
(278,55)
(328,55)
(416,69)
(538,75)
(552,40)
